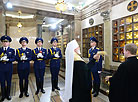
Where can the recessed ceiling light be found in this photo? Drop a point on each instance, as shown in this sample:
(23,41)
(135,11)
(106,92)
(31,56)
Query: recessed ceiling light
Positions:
(9,5)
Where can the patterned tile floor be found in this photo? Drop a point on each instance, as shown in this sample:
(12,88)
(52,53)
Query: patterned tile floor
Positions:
(49,96)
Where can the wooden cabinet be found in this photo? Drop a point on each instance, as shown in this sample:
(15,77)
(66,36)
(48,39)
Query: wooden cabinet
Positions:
(125,31)
(95,31)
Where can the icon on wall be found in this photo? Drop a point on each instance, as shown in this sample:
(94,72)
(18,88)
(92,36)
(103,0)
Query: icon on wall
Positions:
(132,6)
(91,21)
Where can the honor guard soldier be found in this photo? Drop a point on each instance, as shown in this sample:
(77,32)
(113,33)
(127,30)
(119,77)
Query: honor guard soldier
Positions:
(97,68)
(23,56)
(55,55)
(39,57)
(7,56)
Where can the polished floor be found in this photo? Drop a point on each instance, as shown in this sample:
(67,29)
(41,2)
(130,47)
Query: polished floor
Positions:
(49,96)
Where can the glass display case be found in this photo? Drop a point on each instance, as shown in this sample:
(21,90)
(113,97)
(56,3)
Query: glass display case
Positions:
(136,26)
(135,18)
(65,42)
(122,22)
(125,31)
(121,36)
(128,19)
(59,42)
(95,31)
(129,28)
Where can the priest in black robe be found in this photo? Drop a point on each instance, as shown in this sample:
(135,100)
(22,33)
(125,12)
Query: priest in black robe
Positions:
(78,82)
(124,83)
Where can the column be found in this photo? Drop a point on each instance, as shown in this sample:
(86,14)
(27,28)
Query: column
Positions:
(2,19)
(107,38)
(77,30)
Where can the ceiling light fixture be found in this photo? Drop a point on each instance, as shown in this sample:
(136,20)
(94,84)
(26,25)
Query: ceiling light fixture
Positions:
(61,6)
(9,4)
(19,25)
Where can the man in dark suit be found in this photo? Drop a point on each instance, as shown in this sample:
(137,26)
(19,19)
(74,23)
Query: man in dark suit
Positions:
(7,56)
(123,84)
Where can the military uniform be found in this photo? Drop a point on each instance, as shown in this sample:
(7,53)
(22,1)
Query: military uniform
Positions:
(96,68)
(54,64)
(7,56)
(23,56)
(39,65)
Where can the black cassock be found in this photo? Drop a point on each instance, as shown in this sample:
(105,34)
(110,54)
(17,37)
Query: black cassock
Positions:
(124,83)
(82,83)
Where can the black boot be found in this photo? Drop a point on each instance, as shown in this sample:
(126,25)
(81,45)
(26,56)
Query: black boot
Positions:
(42,90)
(3,94)
(56,84)
(26,90)
(97,90)
(21,95)
(8,92)
(21,90)
(93,91)
(53,85)
(38,87)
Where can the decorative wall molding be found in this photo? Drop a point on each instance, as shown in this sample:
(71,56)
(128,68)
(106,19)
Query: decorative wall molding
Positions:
(106,15)
(95,8)
(116,2)
(98,7)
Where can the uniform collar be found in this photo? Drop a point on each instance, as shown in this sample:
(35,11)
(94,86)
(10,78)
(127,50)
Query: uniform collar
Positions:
(54,48)
(132,57)
(5,47)
(39,48)
(93,47)
(24,48)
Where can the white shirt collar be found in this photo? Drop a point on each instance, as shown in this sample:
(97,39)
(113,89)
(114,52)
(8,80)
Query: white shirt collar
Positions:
(39,48)
(54,47)
(93,47)
(24,48)
(5,47)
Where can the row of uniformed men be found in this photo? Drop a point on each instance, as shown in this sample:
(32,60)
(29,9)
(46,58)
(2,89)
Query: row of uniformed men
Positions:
(23,56)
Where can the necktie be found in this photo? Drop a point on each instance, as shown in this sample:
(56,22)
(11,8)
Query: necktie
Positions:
(5,50)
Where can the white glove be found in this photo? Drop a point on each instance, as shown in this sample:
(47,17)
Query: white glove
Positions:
(56,55)
(23,58)
(1,59)
(40,55)
(4,58)
(99,72)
